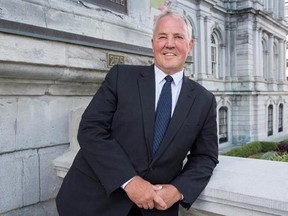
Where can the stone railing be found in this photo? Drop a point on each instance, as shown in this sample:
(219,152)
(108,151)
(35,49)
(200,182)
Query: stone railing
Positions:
(239,186)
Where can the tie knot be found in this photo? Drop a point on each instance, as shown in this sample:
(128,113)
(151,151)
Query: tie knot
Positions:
(169,78)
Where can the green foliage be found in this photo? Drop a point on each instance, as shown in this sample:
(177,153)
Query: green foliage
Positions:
(251,148)
(280,157)
(268,146)
(246,150)
(268,155)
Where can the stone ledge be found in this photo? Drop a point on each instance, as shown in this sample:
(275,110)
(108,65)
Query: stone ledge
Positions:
(39,32)
(239,186)
(246,187)
(26,71)
(64,162)
(35,79)
(232,191)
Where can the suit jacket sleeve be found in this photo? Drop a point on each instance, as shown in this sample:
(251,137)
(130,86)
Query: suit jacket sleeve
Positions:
(102,152)
(202,159)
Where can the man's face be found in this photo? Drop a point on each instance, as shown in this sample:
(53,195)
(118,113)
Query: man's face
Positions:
(171,44)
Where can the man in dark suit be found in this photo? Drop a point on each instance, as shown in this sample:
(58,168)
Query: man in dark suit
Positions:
(119,169)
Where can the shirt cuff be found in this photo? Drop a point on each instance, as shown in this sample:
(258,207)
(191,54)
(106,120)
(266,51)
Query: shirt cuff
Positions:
(126,183)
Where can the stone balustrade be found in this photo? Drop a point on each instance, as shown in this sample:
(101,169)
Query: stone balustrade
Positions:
(239,186)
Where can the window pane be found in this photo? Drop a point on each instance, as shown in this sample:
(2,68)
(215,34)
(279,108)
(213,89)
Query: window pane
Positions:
(223,125)
(270,120)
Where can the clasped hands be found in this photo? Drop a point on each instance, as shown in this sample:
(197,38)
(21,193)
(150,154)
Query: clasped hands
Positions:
(148,196)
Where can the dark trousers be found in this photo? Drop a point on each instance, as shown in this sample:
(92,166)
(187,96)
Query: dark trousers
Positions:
(135,211)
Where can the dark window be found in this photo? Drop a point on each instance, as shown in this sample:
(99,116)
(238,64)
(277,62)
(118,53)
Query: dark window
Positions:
(116,5)
(223,124)
(270,120)
(280,123)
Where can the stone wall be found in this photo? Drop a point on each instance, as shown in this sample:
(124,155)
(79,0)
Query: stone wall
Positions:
(53,56)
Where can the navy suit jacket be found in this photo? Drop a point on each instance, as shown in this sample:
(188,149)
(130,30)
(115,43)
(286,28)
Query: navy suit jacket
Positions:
(116,135)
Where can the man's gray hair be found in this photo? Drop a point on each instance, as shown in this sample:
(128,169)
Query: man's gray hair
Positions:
(175,14)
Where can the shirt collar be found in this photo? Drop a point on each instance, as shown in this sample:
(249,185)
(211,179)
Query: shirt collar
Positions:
(160,75)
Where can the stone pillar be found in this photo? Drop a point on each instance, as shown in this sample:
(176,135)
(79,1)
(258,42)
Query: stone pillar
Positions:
(222,72)
(227,55)
(233,44)
(207,44)
(270,6)
(282,59)
(201,51)
(281,9)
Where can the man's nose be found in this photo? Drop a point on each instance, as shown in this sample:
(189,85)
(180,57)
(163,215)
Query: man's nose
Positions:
(170,42)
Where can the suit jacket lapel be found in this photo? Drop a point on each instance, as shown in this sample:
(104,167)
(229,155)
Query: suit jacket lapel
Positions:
(146,84)
(183,106)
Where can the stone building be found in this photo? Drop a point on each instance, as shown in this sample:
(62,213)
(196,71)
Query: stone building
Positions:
(55,53)
(286,18)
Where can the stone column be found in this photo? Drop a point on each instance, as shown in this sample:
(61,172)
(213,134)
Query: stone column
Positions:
(222,72)
(281,73)
(201,51)
(233,44)
(270,6)
(207,35)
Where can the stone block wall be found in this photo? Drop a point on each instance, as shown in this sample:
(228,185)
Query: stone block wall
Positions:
(28,177)
(53,56)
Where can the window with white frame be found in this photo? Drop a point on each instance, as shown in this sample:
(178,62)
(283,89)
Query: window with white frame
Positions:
(214,56)
(265,59)
(270,120)
(223,125)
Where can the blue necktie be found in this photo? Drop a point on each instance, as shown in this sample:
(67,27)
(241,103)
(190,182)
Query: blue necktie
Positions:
(163,113)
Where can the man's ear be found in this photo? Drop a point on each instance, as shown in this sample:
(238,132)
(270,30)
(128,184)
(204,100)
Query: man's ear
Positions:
(191,43)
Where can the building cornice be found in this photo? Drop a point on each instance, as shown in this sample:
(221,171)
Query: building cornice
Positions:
(28,30)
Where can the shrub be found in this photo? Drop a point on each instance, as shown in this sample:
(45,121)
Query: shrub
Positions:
(268,146)
(268,155)
(246,150)
(282,147)
(280,157)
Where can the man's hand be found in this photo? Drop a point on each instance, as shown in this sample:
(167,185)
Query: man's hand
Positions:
(170,194)
(143,194)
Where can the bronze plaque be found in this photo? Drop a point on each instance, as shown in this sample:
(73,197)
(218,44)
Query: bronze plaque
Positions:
(116,5)
(113,59)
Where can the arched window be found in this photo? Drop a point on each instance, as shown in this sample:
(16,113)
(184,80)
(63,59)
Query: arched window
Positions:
(270,120)
(223,125)
(265,59)
(280,118)
(214,56)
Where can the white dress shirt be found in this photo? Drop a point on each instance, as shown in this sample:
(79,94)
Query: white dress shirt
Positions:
(175,86)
